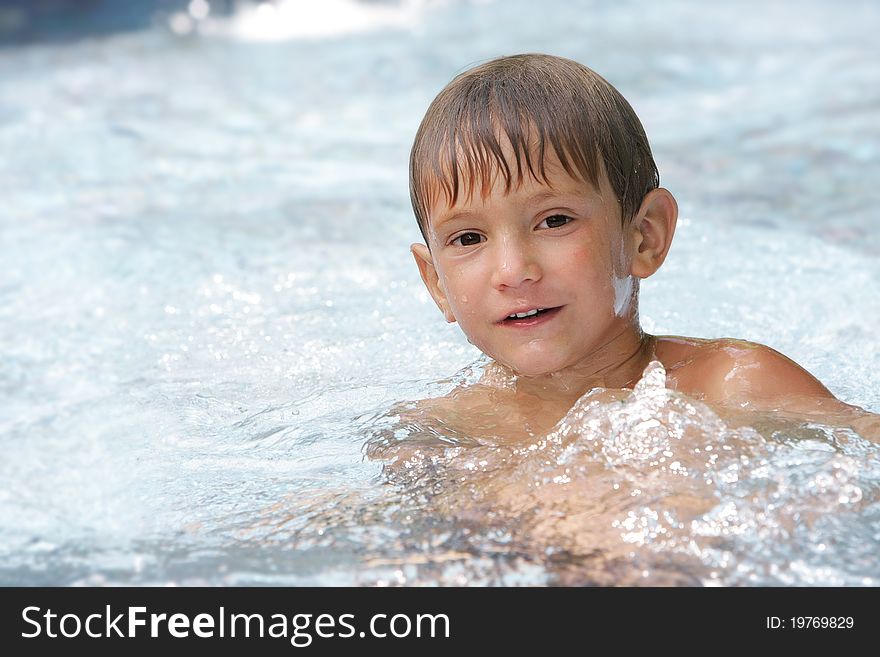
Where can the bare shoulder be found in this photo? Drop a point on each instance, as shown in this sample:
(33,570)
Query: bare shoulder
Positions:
(461,400)
(728,371)
(491,415)
(457,411)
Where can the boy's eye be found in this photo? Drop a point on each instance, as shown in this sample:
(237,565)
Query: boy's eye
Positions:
(467,239)
(557,221)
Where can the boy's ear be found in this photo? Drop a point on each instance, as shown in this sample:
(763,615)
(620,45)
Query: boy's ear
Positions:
(432,281)
(652,230)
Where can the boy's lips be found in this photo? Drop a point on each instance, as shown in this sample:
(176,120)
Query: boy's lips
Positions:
(545,314)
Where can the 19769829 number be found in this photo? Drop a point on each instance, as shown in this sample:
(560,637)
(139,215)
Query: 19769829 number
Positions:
(810,623)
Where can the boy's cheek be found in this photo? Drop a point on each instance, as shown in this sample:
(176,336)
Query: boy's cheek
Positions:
(454,285)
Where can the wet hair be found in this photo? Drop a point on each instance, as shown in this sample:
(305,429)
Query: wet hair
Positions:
(535,102)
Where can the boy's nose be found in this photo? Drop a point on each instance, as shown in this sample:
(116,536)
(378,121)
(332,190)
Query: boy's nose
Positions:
(515,265)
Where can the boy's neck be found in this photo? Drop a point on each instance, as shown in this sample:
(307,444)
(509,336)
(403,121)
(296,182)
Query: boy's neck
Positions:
(618,363)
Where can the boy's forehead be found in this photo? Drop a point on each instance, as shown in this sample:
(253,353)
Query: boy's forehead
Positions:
(476,191)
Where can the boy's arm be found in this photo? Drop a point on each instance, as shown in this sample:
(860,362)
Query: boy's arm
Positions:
(755,377)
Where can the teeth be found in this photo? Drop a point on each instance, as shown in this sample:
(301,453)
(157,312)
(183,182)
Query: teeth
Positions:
(528,314)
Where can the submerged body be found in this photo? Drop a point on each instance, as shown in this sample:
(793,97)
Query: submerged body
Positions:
(633,486)
(672,477)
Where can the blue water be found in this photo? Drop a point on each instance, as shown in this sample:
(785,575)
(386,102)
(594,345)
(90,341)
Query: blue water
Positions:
(208,306)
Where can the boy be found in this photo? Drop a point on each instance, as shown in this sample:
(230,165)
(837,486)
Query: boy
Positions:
(535,190)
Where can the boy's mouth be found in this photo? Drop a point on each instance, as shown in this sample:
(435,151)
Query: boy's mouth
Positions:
(530,317)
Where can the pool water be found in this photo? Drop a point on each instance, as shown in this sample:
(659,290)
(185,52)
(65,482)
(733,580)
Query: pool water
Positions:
(208,311)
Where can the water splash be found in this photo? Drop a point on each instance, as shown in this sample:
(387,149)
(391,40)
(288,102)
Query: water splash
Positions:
(650,486)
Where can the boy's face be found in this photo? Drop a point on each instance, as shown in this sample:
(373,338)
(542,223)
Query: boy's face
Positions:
(558,247)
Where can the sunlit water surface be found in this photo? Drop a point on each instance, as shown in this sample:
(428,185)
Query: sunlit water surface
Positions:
(208,308)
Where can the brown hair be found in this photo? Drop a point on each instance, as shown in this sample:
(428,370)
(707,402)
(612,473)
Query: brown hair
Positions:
(534,101)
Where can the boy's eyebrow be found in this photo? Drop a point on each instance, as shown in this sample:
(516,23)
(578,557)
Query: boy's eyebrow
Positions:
(534,199)
(542,196)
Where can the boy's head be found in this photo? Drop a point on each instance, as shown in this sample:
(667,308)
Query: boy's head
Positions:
(535,189)
(531,103)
